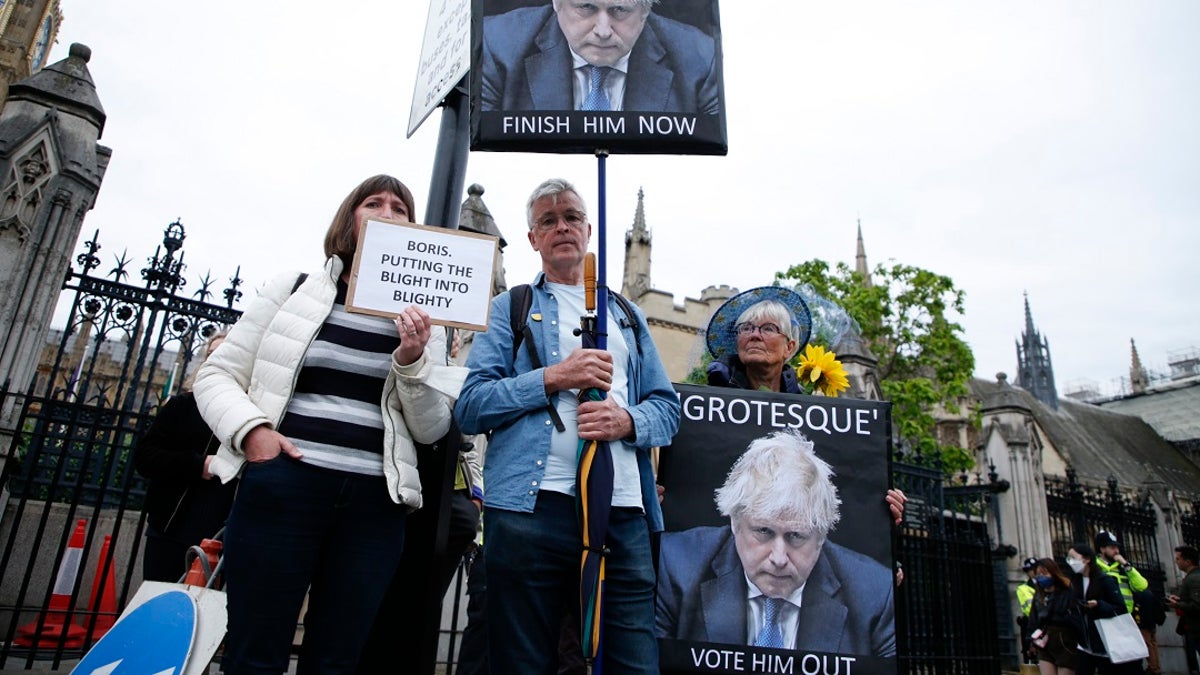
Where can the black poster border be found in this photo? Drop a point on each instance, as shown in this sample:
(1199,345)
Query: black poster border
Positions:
(853,436)
(576,132)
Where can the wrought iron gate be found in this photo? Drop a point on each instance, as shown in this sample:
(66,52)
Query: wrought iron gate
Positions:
(948,607)
(72,500)
(1078,511)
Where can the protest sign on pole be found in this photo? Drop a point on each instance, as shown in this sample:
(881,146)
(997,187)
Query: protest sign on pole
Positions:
(542,81)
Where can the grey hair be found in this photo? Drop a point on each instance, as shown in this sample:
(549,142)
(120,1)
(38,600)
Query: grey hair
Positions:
(774,311)
(217,335)
(780,477)
(552,187)
(644,4)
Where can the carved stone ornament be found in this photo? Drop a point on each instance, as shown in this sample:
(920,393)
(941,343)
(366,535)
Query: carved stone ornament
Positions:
(34,166)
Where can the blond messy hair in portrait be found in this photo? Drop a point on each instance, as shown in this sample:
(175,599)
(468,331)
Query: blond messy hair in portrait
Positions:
(780,477)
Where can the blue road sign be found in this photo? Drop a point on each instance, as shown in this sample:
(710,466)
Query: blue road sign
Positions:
(153,639)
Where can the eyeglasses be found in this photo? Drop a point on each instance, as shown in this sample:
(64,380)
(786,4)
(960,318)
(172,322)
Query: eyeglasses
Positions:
(573,219)
(765,330)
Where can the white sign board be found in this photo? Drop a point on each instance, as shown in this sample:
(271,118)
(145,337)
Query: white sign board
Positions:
(445,57)
(447,273)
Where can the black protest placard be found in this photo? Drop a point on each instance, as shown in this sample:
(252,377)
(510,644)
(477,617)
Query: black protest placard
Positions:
(582,76)
(845,620)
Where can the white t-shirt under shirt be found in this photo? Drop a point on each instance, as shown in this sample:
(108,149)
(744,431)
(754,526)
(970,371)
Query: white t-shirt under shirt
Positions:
(564,445)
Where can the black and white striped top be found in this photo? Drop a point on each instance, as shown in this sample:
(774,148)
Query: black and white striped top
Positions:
(334,417)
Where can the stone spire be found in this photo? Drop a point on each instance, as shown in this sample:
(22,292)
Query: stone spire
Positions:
(474,216)
(1138,380)
(860,259)
(637,254)
(1035,373)
(66,85)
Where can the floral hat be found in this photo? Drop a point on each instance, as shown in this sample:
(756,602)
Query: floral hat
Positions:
(722,327)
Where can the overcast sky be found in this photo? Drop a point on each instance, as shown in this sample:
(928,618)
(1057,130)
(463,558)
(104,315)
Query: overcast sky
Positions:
(1049,147)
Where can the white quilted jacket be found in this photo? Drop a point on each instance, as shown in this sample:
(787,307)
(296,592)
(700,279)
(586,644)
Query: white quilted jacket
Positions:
(249,381)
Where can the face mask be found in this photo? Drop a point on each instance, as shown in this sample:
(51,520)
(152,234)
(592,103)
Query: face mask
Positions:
(1076,565)
(1044,581)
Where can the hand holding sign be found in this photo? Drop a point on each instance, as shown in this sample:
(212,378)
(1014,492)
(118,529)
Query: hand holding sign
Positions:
(414,326)
(445,273)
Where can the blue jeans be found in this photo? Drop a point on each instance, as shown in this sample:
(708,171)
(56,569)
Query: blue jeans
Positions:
(292,526)
(533,573)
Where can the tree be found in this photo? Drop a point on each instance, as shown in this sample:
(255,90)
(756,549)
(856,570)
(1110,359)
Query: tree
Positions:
(699,374)
(906,319)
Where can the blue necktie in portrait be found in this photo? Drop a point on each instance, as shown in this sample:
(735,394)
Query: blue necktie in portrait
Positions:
(770,635)
(596,97)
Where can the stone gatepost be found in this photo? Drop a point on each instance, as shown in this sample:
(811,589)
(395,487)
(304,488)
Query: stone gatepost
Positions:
(51,167)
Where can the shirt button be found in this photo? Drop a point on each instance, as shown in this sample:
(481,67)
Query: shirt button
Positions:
(539,462)
(553,353)
(547,422)
(553,323)
(534,483)
(531,492)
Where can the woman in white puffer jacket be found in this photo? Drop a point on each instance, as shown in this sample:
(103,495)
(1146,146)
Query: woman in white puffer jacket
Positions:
(318,410)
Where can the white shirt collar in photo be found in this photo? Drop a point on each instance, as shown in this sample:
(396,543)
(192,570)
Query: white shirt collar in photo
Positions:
(789,614)
(614,84)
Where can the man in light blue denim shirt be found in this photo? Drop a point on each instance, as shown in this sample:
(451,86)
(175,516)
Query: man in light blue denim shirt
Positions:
(532,541)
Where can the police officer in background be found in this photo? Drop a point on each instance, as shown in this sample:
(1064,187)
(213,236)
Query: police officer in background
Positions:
(1025,593)
(1109,559)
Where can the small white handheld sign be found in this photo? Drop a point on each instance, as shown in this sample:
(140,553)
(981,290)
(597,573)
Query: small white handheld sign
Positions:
(447,273)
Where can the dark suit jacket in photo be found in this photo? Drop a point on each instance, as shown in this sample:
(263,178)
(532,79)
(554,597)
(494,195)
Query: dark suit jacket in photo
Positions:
(527,65)
(847,602)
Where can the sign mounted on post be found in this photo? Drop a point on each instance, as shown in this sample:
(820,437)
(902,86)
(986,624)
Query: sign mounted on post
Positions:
(627,76)
(447,273)
(445,57)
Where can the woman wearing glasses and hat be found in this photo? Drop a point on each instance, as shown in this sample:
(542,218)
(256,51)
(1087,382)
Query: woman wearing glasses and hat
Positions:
(753,336)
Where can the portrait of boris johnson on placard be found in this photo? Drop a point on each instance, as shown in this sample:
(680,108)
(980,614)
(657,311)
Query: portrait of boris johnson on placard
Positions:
(636,76)
(778,541)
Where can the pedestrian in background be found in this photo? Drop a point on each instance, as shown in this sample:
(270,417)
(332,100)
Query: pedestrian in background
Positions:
(1098,597)
(1025,593)
(1186,604)
(184,504)
(1053,620)
(1149,614)
(1109,559)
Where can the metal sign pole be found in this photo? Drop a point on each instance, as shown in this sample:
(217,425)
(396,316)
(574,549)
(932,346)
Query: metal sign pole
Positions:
(442,208)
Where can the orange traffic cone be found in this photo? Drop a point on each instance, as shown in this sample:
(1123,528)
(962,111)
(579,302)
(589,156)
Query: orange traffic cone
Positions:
(54,629)
(199,573)
(104,615)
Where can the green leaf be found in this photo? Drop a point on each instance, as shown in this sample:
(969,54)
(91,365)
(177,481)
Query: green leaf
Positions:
(909,319)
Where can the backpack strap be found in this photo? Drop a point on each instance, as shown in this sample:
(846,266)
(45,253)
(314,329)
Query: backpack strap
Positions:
(520,300)
(628,321)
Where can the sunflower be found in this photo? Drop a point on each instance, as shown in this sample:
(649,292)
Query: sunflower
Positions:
(820,369)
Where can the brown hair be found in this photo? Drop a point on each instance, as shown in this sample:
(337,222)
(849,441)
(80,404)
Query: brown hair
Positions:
(1061,580)
(341,237)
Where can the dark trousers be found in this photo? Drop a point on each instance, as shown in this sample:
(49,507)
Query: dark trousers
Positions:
(298,529)
(1191,650)
(393,639)
(472,652)
(163,559)
(533,573)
